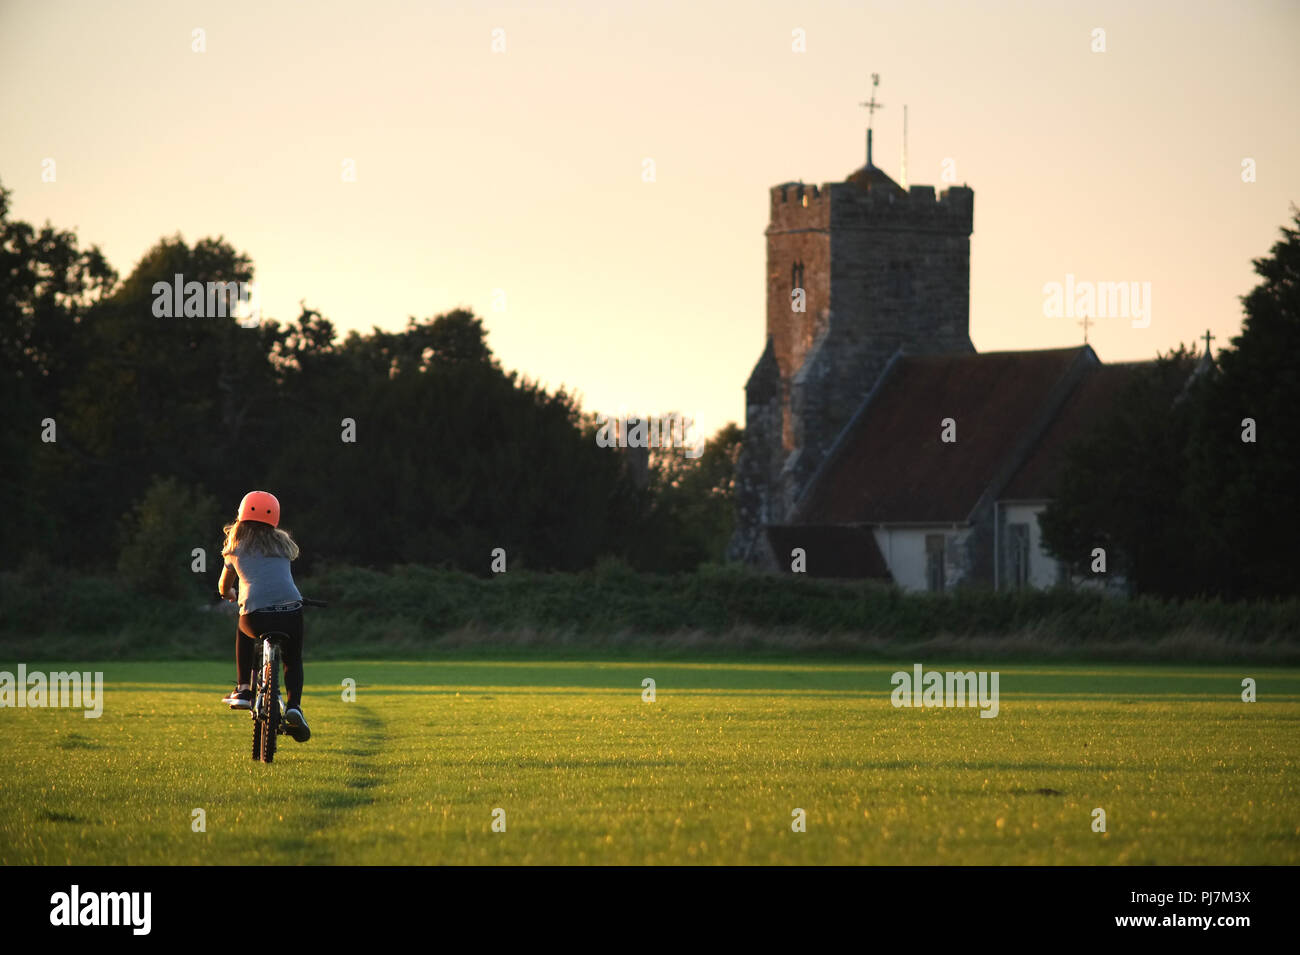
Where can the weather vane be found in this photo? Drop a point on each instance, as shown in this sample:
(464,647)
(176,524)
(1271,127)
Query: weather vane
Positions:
(871,106)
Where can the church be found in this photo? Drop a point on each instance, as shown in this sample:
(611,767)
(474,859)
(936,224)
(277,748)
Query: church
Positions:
(878,442)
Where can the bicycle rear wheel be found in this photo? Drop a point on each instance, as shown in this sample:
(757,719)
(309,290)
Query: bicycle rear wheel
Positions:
(270,722)
(256,688)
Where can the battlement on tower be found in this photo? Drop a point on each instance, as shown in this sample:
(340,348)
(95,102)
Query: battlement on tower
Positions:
(797,206)
(853,207)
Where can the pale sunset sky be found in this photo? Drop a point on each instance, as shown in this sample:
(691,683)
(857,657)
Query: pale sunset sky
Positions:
(522,170)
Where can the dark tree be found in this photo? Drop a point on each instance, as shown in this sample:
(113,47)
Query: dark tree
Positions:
(1246,494)
(1171,484)
(1124,485)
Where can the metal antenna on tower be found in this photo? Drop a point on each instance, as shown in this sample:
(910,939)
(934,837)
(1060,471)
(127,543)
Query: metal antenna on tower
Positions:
(871,108)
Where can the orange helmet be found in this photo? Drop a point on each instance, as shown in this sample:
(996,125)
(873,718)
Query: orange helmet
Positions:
(260,506)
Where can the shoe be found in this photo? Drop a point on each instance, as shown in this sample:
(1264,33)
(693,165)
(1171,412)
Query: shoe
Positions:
(295,725)
(239,699)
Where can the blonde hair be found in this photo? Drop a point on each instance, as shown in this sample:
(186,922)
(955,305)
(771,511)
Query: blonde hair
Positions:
(257,539)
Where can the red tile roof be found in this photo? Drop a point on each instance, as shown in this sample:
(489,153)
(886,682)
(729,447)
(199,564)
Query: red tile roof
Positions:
(890,465)
(1087,405)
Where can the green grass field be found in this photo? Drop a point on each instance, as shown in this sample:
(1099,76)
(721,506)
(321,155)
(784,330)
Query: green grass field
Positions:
(587,772)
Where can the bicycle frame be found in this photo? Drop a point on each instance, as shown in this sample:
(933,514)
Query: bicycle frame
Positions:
(268,705)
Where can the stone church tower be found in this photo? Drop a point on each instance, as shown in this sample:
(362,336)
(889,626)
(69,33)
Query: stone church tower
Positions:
(856,271)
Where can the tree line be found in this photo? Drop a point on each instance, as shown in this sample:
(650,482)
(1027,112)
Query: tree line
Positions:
(128,439)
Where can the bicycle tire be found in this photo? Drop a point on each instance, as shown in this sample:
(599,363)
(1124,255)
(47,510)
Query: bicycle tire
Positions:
(257,724)
(271,705)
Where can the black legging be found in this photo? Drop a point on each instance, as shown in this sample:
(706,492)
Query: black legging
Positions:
(253,625)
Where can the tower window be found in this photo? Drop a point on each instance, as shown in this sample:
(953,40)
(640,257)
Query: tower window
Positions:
(796,276)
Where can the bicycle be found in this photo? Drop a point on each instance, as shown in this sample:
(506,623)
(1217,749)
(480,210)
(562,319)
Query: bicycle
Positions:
(268,705)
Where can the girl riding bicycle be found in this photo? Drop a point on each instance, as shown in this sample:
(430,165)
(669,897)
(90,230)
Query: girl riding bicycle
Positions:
(257,555)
